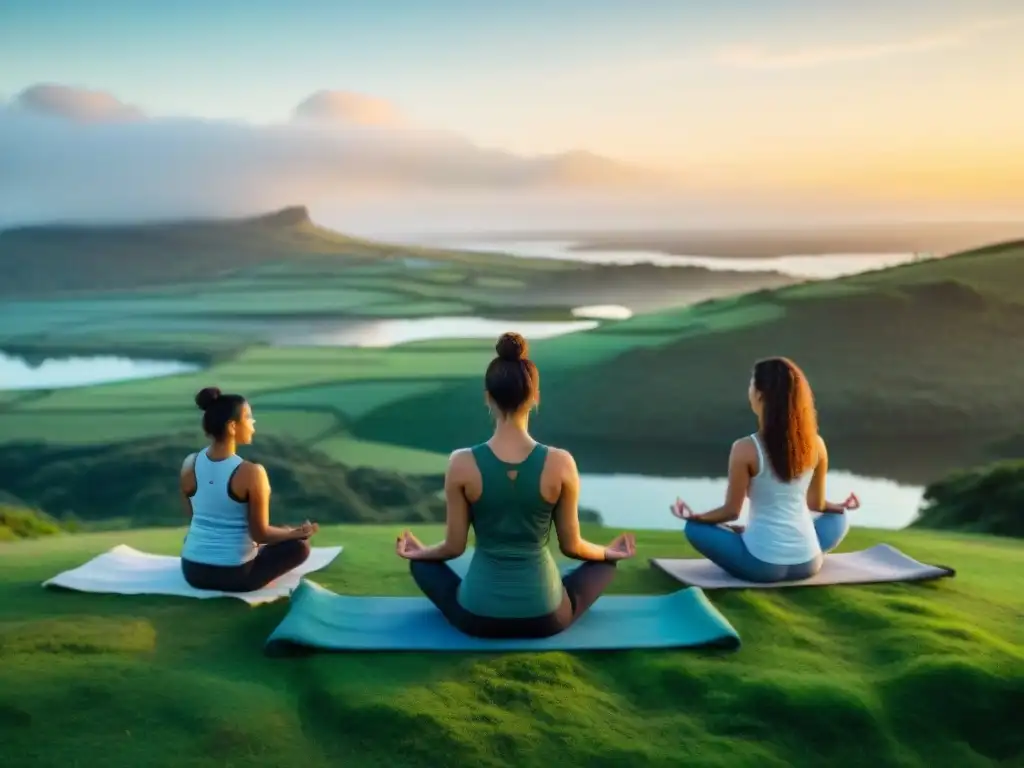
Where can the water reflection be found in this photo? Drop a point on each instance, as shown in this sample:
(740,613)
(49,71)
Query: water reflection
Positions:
(604,312)
(386,333)
(811,266)
(57,373)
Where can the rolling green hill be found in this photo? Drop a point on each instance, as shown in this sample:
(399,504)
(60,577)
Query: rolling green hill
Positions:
(86,257)
(132,483)
(18,522)
(905,675)
(922,357)
(987,499)
(914,367)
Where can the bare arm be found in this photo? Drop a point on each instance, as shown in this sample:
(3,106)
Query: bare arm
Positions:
(740,458)
(187,485)
(567,516)
(816,501)
(457,517)
(258,485)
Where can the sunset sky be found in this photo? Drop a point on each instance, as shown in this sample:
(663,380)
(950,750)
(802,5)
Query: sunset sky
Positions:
(918,96)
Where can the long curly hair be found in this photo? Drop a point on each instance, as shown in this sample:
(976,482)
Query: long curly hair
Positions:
(789,426)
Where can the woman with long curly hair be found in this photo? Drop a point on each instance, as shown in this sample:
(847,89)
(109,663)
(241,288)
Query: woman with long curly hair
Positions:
(782,469)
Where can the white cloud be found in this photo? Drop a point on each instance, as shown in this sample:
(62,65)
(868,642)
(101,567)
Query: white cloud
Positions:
(758,57)
(79,104)
(349,108)
(73,153)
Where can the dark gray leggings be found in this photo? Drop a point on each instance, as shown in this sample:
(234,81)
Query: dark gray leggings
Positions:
(582,587)
(273,561)
(726,549)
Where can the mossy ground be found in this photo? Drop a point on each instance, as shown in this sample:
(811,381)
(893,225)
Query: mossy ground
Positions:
(904,675)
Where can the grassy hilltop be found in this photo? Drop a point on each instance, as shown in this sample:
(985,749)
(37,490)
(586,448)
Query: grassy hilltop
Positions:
(889,675)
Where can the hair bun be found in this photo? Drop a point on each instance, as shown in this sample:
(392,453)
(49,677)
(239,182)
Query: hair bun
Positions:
(207,397)
(511,346)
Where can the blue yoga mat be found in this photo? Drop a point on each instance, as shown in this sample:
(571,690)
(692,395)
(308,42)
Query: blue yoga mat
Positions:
(323,620)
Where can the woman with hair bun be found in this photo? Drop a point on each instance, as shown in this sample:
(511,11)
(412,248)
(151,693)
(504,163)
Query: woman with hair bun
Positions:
(231,545)
(782,469)
(511,489)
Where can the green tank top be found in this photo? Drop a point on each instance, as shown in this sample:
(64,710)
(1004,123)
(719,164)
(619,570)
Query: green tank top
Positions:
(512,574)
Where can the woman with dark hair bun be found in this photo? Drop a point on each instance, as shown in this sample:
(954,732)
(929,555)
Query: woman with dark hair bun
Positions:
(782,468)
(227,502)
(511,489)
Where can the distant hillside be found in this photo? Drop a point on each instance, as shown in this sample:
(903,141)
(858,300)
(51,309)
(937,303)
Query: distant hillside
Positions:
(70,257)
(986,499)
(62,260)
(134,483)
(58,259)
(930,352)
(18,522)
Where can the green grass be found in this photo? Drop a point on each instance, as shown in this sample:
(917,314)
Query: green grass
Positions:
(363,453)
(354,399)
(900,675)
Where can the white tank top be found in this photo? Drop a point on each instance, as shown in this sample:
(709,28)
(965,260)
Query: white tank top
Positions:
(780,529)
(219,532)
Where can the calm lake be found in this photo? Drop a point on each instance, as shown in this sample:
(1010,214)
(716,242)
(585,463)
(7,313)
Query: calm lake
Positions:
(642,502)
(387,333)
(58,373)
(810,266)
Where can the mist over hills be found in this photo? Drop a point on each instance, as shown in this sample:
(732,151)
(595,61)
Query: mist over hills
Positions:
(80,153)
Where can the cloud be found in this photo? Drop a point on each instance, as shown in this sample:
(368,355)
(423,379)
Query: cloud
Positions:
(67,153)
(756,57)
(79,104)
(348,108)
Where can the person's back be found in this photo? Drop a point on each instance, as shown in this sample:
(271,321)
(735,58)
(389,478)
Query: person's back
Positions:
(219,531)
(511,490)
(780,529)
(227,502)
(512,573)
(781,469)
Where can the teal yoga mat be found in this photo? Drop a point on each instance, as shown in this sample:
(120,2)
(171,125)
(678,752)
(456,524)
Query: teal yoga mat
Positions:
(319,619)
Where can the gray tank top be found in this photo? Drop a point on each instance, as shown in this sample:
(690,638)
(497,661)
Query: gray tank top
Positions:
(219,532)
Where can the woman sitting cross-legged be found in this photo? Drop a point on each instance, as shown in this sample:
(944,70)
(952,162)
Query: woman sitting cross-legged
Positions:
(782,469)
(511,489)
(227,502)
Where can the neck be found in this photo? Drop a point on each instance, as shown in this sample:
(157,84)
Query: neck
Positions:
(517,424)
(221,449)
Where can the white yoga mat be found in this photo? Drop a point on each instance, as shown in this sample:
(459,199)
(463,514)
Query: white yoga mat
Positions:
(879,564)
(126,571)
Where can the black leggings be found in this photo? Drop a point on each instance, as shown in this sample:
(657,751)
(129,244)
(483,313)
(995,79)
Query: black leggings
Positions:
(273,560)
(581,588)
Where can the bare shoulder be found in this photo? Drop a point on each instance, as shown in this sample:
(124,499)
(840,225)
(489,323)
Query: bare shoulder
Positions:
(461,463)
(189,463)
(822,448)
(460,455)
(561,458)
(252,471)
(744,448)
